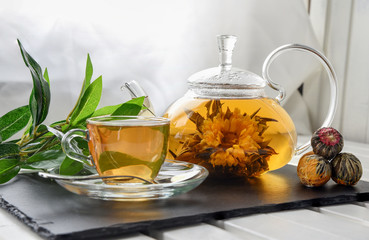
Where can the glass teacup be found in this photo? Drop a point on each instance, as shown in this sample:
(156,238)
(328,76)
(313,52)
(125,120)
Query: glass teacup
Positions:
(122,146)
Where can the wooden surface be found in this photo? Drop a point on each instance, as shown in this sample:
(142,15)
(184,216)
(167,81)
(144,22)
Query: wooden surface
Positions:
(347,221)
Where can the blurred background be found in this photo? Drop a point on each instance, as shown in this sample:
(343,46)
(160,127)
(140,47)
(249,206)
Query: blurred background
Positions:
(161,43)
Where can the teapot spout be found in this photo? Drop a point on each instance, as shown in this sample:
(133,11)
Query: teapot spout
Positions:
(135,90)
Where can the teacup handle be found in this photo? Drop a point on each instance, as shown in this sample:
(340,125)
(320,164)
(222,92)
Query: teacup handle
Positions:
(71,149)
(282,94)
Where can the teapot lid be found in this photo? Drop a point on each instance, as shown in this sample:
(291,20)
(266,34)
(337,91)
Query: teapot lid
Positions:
(224,80)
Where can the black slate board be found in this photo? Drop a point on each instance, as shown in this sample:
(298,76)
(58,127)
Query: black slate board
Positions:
(55,213)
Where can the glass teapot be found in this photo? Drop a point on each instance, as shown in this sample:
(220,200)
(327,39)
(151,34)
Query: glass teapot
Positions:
(226,123)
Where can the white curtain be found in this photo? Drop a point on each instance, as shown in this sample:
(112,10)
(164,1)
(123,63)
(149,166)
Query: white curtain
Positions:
(157,43)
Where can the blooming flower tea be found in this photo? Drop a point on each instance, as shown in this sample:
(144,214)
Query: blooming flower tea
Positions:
(245,137)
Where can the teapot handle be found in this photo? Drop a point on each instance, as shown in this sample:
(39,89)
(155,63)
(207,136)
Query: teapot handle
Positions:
(282,94)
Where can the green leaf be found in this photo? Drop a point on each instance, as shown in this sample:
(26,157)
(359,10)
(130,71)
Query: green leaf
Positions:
(40,96)
(9,150)
(138,101)
(42,129)
(61,122)
(130,108)
(127,106)
(106,110)
(46,76)
(85,85)
(14,121)
(9,168)
(33,108)
(70,167)
(58,155)
(44,165)
(88,74)
(88,104)
(112,160)
(127,110)
(59,125)
(45,160)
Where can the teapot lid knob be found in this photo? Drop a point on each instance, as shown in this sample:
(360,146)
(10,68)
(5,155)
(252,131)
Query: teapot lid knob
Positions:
(226,44)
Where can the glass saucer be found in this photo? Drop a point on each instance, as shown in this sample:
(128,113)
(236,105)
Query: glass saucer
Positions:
(174,178)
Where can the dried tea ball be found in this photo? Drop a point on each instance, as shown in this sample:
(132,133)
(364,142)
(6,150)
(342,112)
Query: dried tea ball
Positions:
(346,169)
(327,142)
(313,170)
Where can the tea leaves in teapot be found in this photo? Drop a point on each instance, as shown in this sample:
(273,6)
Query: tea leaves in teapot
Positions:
(228,141)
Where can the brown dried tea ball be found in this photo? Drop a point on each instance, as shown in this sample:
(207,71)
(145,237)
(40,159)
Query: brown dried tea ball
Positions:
(313,170)
(346,169)
(327,142)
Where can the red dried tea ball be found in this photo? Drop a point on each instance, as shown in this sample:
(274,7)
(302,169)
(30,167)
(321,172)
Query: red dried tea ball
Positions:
(327,142)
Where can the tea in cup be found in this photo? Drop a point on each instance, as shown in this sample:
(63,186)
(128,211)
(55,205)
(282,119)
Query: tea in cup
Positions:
(123,146)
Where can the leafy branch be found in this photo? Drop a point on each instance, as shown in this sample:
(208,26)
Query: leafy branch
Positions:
(39,148)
